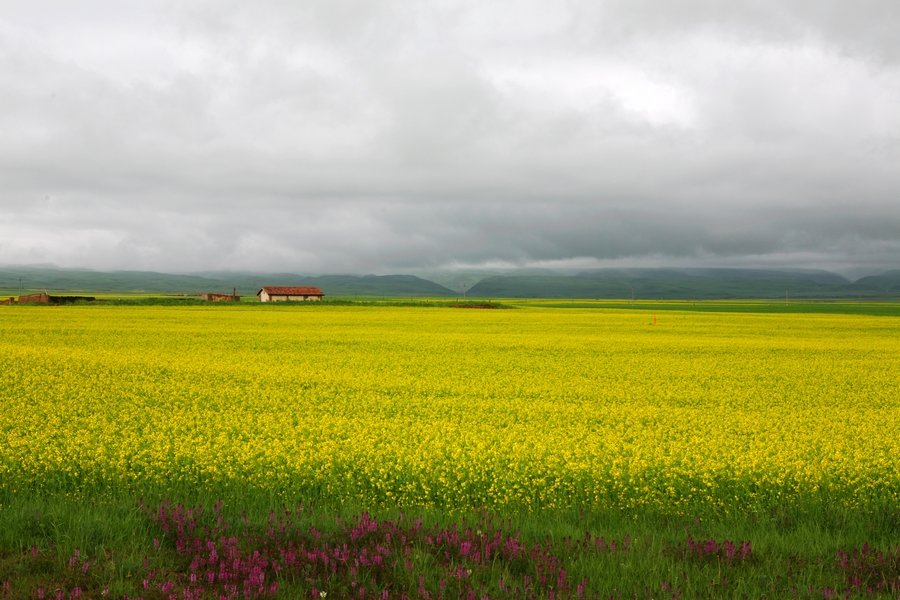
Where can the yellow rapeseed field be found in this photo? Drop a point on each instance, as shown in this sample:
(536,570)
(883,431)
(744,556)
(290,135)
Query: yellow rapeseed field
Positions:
(530,408)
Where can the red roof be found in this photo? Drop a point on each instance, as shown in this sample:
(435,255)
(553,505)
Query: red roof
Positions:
(278,290)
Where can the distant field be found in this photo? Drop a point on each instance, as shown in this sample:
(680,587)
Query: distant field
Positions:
(806,306)
(561,408)
(792,306)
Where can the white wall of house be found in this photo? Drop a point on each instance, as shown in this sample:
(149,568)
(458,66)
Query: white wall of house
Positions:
(265,297)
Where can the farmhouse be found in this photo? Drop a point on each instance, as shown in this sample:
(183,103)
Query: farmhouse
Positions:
(272,293)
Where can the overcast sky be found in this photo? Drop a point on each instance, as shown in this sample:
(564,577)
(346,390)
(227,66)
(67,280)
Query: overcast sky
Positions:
(374,136)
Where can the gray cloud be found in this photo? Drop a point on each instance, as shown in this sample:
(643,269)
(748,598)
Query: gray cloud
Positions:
(380,136)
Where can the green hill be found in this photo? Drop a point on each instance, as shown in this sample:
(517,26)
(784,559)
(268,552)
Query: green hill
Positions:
(379,285)
(83,280)
(886,283)
(668,283)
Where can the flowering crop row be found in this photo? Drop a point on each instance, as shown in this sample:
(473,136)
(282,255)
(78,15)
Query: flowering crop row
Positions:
(530,408)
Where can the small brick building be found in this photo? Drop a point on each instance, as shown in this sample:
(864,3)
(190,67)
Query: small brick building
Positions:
(214,297)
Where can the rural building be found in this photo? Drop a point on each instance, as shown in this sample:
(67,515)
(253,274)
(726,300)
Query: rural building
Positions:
(272,293)
(213,297)
(48,299)
(34,299)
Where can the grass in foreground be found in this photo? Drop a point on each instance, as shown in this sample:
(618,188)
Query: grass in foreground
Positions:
(55,548)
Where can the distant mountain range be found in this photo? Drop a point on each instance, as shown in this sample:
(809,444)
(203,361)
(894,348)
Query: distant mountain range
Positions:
(54,279)
(605,283)
(689,284)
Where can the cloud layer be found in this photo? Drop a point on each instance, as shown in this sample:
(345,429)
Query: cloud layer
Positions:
(378,136)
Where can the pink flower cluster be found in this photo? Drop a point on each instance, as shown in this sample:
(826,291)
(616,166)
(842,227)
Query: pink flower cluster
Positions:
(727,550)
(868,570)
(362,558)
